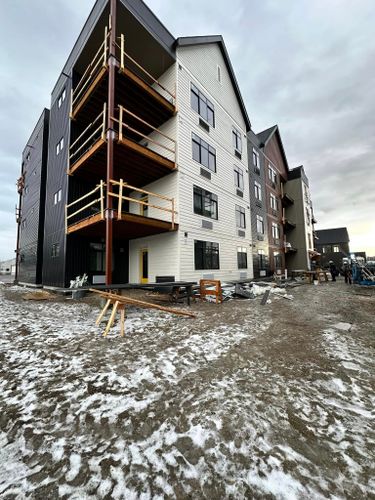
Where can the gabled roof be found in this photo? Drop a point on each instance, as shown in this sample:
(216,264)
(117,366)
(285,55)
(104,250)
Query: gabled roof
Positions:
(188,41)
(267,134)
(331,236)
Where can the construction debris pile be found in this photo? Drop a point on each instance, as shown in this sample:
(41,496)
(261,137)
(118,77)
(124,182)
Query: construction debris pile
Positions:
(252,290)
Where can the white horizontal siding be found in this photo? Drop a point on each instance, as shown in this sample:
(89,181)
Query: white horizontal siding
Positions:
(202,61)
(168,81)
(163,256)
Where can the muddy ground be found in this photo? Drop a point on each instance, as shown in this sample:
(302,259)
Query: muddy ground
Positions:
(245,401)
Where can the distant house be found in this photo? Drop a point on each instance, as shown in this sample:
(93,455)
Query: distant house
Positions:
(333,244)
(8,267)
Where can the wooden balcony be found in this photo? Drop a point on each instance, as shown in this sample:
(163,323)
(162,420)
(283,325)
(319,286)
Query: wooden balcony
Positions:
(87,214)
(142,92)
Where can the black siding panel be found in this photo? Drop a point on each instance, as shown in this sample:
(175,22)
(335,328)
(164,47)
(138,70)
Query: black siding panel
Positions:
(57,178)
(34,166)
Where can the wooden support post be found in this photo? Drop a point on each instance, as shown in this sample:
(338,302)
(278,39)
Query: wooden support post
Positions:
(111,318)
(104,310)
(119,208)
(102,200)
(122,67)
(122,320)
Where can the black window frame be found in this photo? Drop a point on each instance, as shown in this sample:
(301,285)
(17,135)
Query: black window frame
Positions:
(240,217)
(256,159)
(260,220)
(201,151)
(262,259)
(258,190)
(206,255)
(55,250)
(206,198)
(242,257)
(277,259)
(274,197)
(238,178)
(237,140)
(201,105)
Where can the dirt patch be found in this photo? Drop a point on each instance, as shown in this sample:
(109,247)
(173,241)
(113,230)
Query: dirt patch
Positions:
(246,401)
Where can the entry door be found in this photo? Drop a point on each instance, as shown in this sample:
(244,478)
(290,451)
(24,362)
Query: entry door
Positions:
(144,265)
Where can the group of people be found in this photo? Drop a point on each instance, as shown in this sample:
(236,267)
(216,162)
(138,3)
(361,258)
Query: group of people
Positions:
(346,270)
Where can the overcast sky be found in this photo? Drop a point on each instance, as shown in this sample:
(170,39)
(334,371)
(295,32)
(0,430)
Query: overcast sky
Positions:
(307,65)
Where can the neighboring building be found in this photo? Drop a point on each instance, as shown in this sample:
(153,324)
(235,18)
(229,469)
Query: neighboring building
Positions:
(147,175)
(31,209)
(360,255)
(298,221)
(275,175)
(333,244)
(258,206)
(8,267)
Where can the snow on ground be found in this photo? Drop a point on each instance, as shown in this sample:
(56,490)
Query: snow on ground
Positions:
(179,408)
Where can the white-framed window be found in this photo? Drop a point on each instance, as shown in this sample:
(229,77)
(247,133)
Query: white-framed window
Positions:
(262,259)
(275,231)
(336,248)
(273,202)
(260,224)
(272,175)
(60,146)
(256,161)
(57,197)
(237,140)
(238,178)
(258,191)
(61,98)
(240,217)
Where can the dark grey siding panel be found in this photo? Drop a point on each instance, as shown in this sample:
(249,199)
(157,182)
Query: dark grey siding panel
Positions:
(54,233)
(34,165)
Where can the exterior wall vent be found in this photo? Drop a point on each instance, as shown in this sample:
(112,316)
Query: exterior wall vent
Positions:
(205,174)
(238,154)
(204,125)
(241,233)
(207,224)
(208,276)
(243,276)
(239,193)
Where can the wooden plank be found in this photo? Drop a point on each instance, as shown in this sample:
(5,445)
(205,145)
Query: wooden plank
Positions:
(90,89)
(265,297)
(140,303)
(86,156)
(104,310)
(93,219)
(111,318)
(148,153)
(147,221)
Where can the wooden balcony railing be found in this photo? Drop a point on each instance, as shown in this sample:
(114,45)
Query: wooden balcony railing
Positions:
(93,133)
(125,57)
(92,207)
(92,204)
(167,150)
(121,197)
(93,73)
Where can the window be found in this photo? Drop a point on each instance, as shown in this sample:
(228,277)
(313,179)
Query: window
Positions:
(336,248)
(275,231)
(242,257)
(206,255)
(256,161)
(61,98)
(258,191)
(97,257)
(272,174)
(28,156)
(24,224)
(205,203)
(57,197)
(55,250)
(60,145)
(310,243)
(262,259)
(260,224)
(278,260)
(273,202)
(308,218)
(203,153)
(240,217)
(202,105)
(238,178)
(237,140)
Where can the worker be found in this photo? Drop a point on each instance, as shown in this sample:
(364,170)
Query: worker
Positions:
(347,273)
(333,270)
